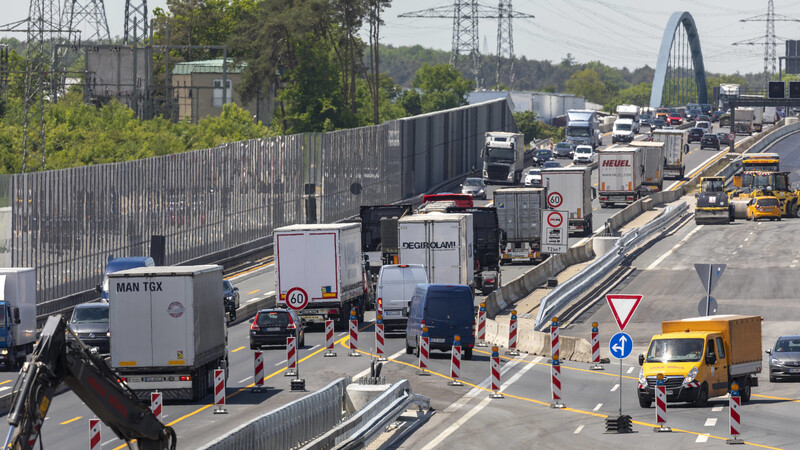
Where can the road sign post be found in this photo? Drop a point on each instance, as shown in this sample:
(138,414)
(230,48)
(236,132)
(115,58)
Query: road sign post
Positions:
(555,230)
(296,299)
(620,346)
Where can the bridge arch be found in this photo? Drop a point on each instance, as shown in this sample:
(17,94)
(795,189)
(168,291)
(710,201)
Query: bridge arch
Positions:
(681,26)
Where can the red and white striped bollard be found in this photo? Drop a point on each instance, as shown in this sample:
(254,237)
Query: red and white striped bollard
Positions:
(353,334)
(94,434)
(291,357)
(455,362)
(512,335)
(379,342)
(329,339)
(661,404)
(595,349)
(424,351)
(554,344)
(555,383)
(258,371)
(480,339)
(157,405)
(495,373)
(735,416)
(219,391)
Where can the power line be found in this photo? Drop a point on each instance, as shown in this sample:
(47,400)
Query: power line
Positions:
(769,39)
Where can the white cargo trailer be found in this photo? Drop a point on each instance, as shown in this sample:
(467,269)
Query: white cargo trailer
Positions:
(619,173)
(675,147)
(324,263)
(18,306)
(519,216)
(572,187)
(442,242)
(653,159)
(168,329)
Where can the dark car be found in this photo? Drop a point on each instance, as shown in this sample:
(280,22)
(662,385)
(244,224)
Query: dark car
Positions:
(703,118)
(710,140)
(691,114)
(541,155)
(659,123)
(230,292)
(784,358)
(716,115)
(551,165)
(563,150)
(90,322)
(645,119)
(273,326)
(474,187)
(706,108)
(695,135)
(723,139)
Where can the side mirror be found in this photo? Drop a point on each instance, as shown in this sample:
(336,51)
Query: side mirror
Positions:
(236,289)
(251,320)
(768,351)
(16,315)
(711,359)
(641,359)
(594,193)
(405,311)
(99,288)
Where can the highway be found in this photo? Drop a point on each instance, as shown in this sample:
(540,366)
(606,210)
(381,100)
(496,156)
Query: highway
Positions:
(526,382)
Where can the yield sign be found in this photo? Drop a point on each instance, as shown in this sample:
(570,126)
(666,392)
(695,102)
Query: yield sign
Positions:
(623,307)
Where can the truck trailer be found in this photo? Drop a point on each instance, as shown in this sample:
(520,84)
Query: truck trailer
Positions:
(324,264)
(675,147)
(168,329)
(442,242)
(18,305)
(619,173)
(379,234)
(486,235)
(503,157)
(519,214)
(653,161)
(573,185)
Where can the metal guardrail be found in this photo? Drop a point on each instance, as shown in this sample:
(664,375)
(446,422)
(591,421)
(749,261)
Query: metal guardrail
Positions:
(291,425)
(567,291)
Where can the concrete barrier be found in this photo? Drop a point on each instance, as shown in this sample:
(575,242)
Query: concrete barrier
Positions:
(536,342)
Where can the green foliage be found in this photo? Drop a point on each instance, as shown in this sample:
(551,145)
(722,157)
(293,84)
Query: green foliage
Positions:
(441,87)
(588,84)
(715,81)
(536,129)
(634,95)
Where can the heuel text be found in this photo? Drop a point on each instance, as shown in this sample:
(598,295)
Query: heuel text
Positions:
(616,163)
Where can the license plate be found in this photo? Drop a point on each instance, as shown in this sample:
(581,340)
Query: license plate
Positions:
(438,340)
(152,379)
(393,313)
(794,370)
(670,391)
(312,318)
(274,329)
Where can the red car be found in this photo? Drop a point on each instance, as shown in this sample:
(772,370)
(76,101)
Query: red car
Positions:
(675,119)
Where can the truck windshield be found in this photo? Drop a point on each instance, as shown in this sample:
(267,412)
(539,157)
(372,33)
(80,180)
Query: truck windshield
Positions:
(675,350)
(2,317)
(578,131)
(624,126)
(500,154)
(90,315)
(712,186)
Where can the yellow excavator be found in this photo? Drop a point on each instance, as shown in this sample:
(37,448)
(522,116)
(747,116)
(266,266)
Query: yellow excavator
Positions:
(756,184)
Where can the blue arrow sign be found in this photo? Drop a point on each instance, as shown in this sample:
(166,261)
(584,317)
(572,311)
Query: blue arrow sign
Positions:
(620,345)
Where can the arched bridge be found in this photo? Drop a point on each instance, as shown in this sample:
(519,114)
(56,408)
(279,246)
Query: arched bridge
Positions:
(680,76)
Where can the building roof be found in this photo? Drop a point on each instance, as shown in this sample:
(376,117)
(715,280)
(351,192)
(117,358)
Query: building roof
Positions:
(485,96)
(207,66)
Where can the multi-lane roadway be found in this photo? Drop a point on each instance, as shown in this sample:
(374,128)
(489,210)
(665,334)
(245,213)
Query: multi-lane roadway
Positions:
(758,280)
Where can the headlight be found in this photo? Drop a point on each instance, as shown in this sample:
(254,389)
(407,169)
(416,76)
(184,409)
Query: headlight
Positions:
(642,379)
(776,361)
(3,352)
(481,191)
(229,297)
(690,377)
(108,334)
(510,177)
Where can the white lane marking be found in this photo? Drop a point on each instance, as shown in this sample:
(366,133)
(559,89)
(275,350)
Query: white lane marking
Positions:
(746,239)
(578,430)
(672,250)
(711,422)
(716,409)
(466,398)
(740,246)
(365,372)
(792,266)
(795,261)
(280,362)
(701,439)
(596,408)
(242,381)
(616,386)
(4,388)
(630,369)
(255,299)
(109,441)
(269,293)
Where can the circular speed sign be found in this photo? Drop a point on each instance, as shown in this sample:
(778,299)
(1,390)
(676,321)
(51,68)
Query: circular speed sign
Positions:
(554,199)
(554,219)
(296,298)
(731,137)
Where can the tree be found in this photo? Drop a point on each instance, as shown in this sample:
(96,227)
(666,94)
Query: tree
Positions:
(588,84)
(442,87)
(375,8)
(536,129)
(634,95)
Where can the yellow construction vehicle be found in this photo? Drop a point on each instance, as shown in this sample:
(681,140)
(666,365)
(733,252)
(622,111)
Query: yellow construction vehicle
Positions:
(713,205)
(772,184)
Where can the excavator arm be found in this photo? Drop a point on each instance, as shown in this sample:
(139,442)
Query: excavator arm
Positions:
(56,360)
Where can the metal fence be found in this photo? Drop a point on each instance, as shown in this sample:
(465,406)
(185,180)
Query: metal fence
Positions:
(65,223)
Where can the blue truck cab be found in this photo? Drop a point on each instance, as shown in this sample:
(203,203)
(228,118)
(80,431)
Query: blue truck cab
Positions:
(446,310)
(124,263)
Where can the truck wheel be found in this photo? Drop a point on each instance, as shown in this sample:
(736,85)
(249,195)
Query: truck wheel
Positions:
(645,402)
(747,388)
(409,349)
(702,396)
(468,353)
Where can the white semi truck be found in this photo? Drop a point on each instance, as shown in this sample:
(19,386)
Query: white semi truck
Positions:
(519,216)
(572,188)
(583,128)
(653,159)
(503,157)
(619,173)
(631,112)
(442,242)
(168,329)
(675,147)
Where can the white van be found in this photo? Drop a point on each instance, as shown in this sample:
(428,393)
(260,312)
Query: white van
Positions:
(396,284)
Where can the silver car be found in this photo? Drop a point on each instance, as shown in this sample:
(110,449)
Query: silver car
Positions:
(784,359)
(474,187)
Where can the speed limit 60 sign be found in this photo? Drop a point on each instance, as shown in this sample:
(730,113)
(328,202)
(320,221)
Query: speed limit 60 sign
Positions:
(555,231)
(296,298)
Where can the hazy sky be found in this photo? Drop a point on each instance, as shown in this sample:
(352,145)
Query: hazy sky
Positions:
(620,33)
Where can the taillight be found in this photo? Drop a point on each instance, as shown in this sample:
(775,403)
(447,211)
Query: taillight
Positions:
(254,326)
(186,378)
(291,326)
(490,280)
(333,311)
(122,379)
(380,304)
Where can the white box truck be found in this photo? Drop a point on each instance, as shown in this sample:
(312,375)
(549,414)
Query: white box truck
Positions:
(503,157)
(631,112)
(168,329)
(519,216)
(321,264)
(18,323)
(619,174)
(675,147)
(572,187)
(442,242)
(770,115)
(653,159)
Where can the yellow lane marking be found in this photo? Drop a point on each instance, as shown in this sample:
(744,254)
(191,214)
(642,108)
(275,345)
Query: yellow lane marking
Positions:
(574,410)
(234,351)
(563,367)
(71,420)
(4,382)
(794,400)
(251,293)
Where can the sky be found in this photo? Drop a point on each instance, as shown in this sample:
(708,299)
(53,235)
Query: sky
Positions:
(619,33)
